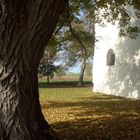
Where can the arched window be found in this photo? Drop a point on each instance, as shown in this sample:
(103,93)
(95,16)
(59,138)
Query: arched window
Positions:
(110,58)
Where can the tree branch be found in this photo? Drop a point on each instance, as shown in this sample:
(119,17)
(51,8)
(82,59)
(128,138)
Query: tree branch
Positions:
(83,49)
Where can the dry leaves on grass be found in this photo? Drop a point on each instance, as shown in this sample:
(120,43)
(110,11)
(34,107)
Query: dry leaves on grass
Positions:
(92,117)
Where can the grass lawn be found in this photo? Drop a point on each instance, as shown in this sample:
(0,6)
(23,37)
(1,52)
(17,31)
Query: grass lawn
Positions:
(79,114)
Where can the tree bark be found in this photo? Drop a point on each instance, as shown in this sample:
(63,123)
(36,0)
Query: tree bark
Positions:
(25,28)
(48,79)
(81,77)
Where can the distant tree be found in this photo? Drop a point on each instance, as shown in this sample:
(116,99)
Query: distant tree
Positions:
(77,39)
(48,70)
(81,48)
(47,66)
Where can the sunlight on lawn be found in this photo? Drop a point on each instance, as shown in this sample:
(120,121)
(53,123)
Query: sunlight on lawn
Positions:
(80,114)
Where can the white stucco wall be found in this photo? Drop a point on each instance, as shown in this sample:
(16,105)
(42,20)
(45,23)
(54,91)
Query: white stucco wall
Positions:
(123,78)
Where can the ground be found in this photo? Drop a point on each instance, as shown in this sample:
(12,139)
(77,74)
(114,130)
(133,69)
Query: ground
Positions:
(79,114)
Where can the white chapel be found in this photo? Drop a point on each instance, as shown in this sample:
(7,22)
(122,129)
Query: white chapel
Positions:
(116,64)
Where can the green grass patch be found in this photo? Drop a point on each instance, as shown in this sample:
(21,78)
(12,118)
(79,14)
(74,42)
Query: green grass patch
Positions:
(65,94)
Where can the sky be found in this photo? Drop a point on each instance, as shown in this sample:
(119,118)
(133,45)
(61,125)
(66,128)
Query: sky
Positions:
(75,69)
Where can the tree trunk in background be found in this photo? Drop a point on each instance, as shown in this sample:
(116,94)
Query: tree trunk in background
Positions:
(25,27)
(81,77)
(48,79)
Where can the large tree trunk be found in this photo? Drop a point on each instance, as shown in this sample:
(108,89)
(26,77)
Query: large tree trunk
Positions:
(25,28)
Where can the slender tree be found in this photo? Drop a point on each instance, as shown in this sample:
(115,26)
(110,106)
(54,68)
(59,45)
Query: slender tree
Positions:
(25,28)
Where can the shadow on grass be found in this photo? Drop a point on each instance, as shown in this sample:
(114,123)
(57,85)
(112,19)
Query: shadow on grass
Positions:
(98,118)
(64,84)
(91,129)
